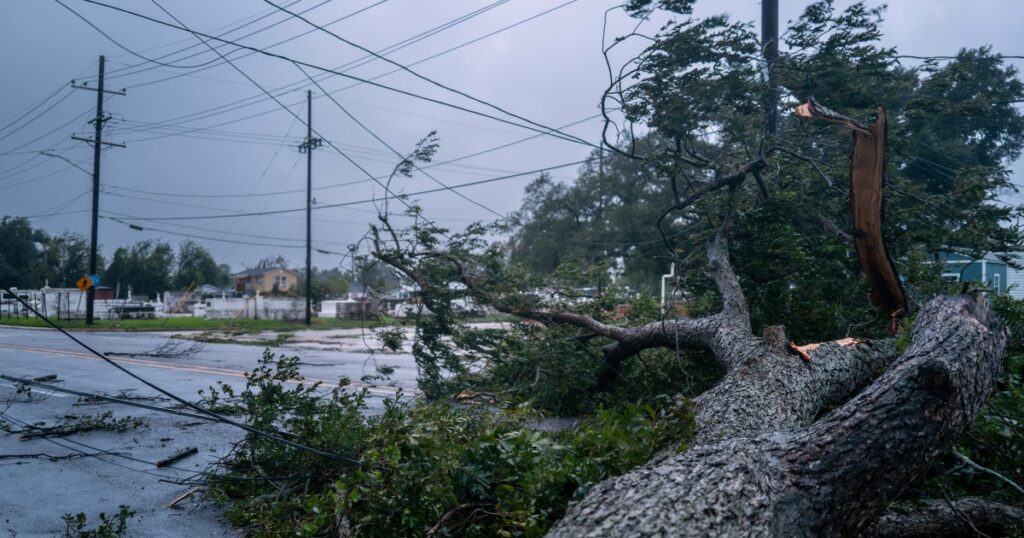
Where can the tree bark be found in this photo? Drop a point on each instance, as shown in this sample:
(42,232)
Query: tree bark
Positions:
(953,519)
(761,465)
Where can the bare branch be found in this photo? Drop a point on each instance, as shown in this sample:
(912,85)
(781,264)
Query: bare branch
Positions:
(831,227)
(990,472)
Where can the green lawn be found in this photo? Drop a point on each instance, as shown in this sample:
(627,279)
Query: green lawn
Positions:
(199,324)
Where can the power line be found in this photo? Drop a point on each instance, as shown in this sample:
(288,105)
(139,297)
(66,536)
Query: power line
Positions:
(216,416)
(33,109)
(62,205)
(213,63)
(389,49)
(545,130)
(236,105)
(145,64)
(48,133)
(122,217)
(426,78)
(355,182)
(393,150)
(61,213)
(266,169)
(94,396)
(371,200)
(282,105)
(997,56)
(97,451)
(37,178)
(116,42)
(194,236)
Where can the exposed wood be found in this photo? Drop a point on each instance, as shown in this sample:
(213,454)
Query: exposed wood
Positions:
(867,179)
(802,350)
(812,109)
(867,182)
(183,496)
(805,350)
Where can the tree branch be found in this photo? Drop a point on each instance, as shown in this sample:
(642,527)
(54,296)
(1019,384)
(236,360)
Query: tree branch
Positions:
(720,333)
(990,472)
(939,518)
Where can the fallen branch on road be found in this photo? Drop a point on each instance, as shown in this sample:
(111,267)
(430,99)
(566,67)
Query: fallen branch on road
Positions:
(178,456)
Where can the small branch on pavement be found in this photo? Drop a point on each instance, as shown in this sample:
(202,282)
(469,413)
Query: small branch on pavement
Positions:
(178,456)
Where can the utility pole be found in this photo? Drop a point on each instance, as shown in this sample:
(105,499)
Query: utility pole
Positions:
(307,147)
(770,50)
(97,143)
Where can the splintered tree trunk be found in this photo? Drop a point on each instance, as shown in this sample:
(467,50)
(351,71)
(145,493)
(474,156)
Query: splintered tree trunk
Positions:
(763,466)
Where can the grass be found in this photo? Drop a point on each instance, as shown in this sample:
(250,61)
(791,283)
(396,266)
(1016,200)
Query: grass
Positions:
(233,326)
(199,324)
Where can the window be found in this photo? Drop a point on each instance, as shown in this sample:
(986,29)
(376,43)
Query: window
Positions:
(995,282)
(280,281)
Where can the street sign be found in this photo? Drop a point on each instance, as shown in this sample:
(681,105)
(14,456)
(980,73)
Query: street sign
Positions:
(84,283)
(95,279)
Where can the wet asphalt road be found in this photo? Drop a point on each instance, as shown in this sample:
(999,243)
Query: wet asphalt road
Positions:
(36,491)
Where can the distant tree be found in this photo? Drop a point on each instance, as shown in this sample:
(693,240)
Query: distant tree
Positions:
(196,267)
(270,262)
(145,267)
(66,259)
(327,284)
(21,260)
(371,273)
(603,217)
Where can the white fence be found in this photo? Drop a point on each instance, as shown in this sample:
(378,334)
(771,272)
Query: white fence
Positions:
(259,307)
(69,304)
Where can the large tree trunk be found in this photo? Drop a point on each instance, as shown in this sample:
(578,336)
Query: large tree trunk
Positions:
(761,464)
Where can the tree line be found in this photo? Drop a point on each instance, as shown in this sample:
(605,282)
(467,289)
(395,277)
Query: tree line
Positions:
(32,258)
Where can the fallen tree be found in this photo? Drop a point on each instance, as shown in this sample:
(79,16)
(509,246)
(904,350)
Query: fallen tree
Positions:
(761,464)
(790,440)
(763,460)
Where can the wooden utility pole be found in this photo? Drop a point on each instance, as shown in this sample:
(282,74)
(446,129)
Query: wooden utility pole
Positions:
(307,148)
(97,143)
(770,50)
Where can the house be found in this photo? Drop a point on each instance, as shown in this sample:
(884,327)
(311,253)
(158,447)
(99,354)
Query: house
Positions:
(272,279)
(988,270)
(1015,277)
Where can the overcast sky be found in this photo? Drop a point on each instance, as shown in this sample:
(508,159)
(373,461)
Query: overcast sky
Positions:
(202,140)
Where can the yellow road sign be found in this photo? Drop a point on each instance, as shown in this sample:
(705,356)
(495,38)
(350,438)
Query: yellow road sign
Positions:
(84,283)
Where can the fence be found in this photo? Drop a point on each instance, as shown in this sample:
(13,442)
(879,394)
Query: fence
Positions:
(69,304)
